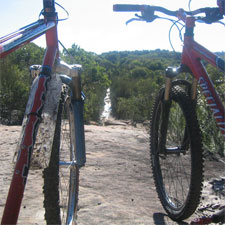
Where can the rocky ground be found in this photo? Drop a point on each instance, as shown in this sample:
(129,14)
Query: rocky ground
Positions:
(116,185)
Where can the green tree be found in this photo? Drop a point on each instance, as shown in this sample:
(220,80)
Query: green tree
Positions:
(95,80)
(213,140)
(15,80)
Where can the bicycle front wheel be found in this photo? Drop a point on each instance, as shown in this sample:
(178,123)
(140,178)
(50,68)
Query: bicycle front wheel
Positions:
(61,177)
(176,153)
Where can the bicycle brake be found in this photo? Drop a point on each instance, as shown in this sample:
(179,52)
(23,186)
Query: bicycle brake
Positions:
(142,18)
(212,15)
(146,15)
(134,19)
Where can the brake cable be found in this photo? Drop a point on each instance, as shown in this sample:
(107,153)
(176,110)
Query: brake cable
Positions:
(67,13)
(179,29)
(189,5)
(152,17)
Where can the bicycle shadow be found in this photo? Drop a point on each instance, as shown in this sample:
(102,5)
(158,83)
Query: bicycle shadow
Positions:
(163,219)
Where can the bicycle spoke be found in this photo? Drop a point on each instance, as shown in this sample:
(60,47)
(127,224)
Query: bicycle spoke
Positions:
(67,172)
(172,163)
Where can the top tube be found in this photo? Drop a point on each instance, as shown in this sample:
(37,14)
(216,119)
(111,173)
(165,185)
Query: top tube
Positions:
(26,34)
(17,39)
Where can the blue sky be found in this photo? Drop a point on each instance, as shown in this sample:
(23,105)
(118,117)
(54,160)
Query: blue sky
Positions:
(95,27)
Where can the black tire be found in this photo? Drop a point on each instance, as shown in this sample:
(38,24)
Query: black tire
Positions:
(61,180)
(178,165)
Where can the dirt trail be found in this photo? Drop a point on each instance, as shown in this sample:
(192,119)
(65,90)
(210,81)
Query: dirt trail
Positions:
(116,185)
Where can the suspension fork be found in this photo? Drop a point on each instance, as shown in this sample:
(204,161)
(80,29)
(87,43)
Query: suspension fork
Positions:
(76,108)
(72,78)
(166,104)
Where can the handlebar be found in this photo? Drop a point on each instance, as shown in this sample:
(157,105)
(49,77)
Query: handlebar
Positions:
(148,12)
(128,8)
(142,8)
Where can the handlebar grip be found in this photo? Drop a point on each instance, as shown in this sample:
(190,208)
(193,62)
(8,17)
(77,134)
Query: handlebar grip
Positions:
(127,8)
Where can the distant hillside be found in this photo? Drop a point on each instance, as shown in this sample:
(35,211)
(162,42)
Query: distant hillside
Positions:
(133,76)
(136,76)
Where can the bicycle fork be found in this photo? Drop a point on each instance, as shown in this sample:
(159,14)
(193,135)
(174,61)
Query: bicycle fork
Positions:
(15,195)
(76,109)
(72,78)
(171,73)
(166,104)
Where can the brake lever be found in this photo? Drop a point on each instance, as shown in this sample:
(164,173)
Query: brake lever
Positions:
(133,19)
(145,17)
(212,15)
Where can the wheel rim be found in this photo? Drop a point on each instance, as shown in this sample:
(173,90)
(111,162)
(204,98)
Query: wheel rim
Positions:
(68,170)
(174,169)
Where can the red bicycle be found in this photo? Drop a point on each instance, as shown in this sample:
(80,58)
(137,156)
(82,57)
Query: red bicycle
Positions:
(53,125)
(175,137)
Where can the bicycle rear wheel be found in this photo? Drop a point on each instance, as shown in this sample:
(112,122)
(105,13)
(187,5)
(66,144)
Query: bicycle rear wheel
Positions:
(176,153)
(61,177)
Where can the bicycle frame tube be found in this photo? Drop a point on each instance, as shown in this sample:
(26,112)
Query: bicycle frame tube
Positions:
(17,39)
(21,170)
(192,56)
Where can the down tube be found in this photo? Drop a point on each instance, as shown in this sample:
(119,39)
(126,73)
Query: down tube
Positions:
(213,100)
(18,183)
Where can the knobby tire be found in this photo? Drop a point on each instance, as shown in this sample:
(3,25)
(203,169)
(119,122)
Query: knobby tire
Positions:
(178,183)
(60,207)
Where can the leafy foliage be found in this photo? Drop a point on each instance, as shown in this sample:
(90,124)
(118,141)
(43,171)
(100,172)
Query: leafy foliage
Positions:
(136,77)
(15,81)
(212,138)
(133,77)
(95,80)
